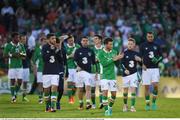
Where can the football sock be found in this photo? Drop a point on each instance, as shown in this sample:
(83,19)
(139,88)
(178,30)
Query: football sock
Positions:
(100,95)
(47,99)
(125,97)
(12,90)
(105,102)
(53,99)
(147,100)
(133,99)
(155,92)
(112,99)
(93,97)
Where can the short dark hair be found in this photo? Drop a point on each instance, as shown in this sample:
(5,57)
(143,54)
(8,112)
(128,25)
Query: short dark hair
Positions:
(84,37)
(132,39)
(107,40)
(99,36)
(50,35)
(14,34)
(150,32)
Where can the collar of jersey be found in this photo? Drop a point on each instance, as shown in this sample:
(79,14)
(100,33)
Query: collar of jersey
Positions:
(99,48)
(14,44)
(107,51)
(71,46)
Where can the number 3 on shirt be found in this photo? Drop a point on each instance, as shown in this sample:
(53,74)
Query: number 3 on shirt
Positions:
(84,60)
(52,59)
(151,54)
(131,64)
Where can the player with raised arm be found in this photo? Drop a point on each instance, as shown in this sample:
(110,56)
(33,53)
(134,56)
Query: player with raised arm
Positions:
(95,80)
(151,56)
(84,58)
(15,52)
(107,58)
(71,47)
(51,58)
(130,77)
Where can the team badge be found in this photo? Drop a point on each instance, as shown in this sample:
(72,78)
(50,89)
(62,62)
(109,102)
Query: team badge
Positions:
(127,56)
(155,48)
(89,53)
(146,48)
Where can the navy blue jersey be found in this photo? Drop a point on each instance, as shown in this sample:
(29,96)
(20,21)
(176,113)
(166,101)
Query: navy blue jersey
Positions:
(26,61)
(85,58)
(53,60)
(129,62)
(148,51)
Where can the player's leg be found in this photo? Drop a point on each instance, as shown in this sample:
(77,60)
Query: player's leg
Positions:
(125,99)
(155,81)
(88,96)
(40,87)
(47,90)
(12,84)
(11,77)
(47,98)
(113,89)
(133,85)
(18,73)
(25,82)
(60,91)
(100,98)
(93,89)
(133,99)
(80,97)
(54,91)
(125,82)
(70,91)
(146,80)
(104,88)
(155,93)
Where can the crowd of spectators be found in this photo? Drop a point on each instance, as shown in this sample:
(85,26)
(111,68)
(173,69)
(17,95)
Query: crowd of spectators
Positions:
(110,18)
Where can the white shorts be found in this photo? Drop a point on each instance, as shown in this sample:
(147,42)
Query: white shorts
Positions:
(150,75)
(39,77)
(72,75)
(26,74)
(49,80)
(95,82)
(15,73)
(130,80)
(108,85)
(83,78)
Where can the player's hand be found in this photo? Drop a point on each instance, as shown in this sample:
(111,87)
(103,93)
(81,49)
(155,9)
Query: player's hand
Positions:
(78,69)
(137,58)
(127,72)
(71,55)
(144,67)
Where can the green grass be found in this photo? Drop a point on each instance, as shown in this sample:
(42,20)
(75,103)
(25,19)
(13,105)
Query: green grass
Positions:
(167,108)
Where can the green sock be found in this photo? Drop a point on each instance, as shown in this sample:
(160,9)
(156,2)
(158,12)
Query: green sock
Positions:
(40,95)
(100,98)
(112,99)
(155,92)
(47,99)
(93,97)
(73,90)
(105,102)
(24,93)
(125,97)
(133,99)
(17,88)
(100,95)
(70,90)
(53,99)
(147,100)
(12,90)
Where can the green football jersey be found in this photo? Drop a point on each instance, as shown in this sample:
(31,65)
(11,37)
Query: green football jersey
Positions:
(37,58)
(96,51)
(108,65)
(71,50)
(11,49)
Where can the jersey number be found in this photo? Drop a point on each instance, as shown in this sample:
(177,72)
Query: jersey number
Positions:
(151,54)
(131,64)
(52,59)
(84,60)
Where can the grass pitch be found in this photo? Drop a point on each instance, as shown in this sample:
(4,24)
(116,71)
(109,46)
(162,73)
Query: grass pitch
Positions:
(167,108)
